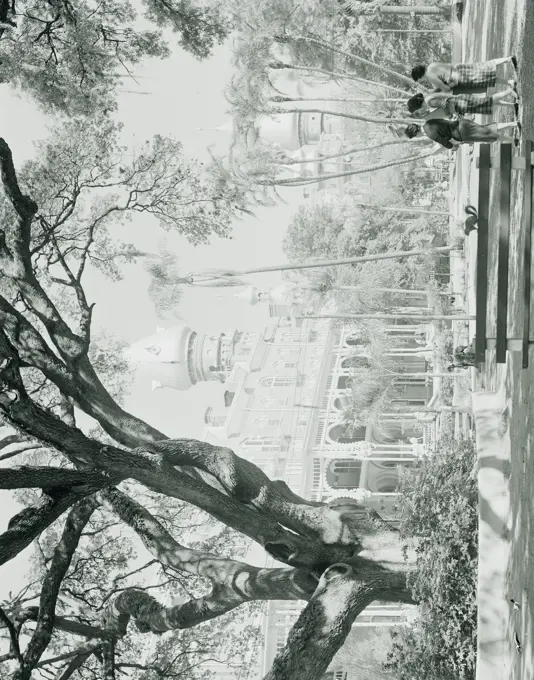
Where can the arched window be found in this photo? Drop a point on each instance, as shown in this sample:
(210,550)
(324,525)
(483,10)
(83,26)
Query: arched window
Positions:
(345,434)
(344,473)
(278,381)
(344,382)
(387,487)
(342,402)
(355,362)
(353,340)
(262,443)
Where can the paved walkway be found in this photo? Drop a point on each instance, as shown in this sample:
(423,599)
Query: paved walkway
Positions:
(496,28)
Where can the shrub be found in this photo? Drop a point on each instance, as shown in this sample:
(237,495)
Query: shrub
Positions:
(440,521)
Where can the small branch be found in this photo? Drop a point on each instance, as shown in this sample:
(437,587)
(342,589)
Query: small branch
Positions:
(12,439)
(86,648)
(73,666)
(17,452)
(61,560)
(64,624)
(108,660)
(13,636)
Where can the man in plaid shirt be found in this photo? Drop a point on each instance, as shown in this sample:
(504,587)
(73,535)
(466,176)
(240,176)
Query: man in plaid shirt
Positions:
(461,104)
(463,78)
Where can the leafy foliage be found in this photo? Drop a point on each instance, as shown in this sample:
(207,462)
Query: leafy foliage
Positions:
(107,562)
(349,230)
(200,27)
(69,56)
(440,508)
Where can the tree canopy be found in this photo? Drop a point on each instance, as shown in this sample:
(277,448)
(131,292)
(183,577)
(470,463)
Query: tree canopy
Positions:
(348,229)
(69,56)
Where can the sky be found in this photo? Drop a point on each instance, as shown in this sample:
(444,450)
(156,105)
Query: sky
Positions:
(184,95)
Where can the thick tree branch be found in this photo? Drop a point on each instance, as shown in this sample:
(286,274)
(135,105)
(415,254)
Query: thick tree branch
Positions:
(79,383)
(249,484)
(233,582)
(59,565)
(73,666)
(17,240)
(53,479)
(12,439)
(30,522)
(155,472)
(108,660)
(326,621)
(320,631)
(85,649)
(13,638)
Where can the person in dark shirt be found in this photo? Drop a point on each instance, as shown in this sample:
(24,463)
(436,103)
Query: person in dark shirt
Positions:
(451,133)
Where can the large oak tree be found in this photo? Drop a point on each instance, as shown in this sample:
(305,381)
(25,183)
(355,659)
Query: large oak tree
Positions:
(57,219)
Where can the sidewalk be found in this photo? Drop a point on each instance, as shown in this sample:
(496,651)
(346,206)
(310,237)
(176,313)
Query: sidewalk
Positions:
(494,536)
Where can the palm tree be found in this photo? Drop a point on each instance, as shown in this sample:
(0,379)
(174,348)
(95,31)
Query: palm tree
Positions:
(411,210)
(366,8)
(341,114)
(314,40)
(220,277)
(393,317)
(283,99)
(335,75)
(306,181)
(362,149)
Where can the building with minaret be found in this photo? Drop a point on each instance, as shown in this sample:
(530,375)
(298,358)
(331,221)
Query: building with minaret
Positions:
(287,396)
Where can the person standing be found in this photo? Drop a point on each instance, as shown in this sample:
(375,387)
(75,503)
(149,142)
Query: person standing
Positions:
(467,77)
(461,103)
(452,133)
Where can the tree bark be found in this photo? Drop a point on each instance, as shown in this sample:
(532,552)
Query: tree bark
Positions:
(28,477)
(61,560)
(326,621)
